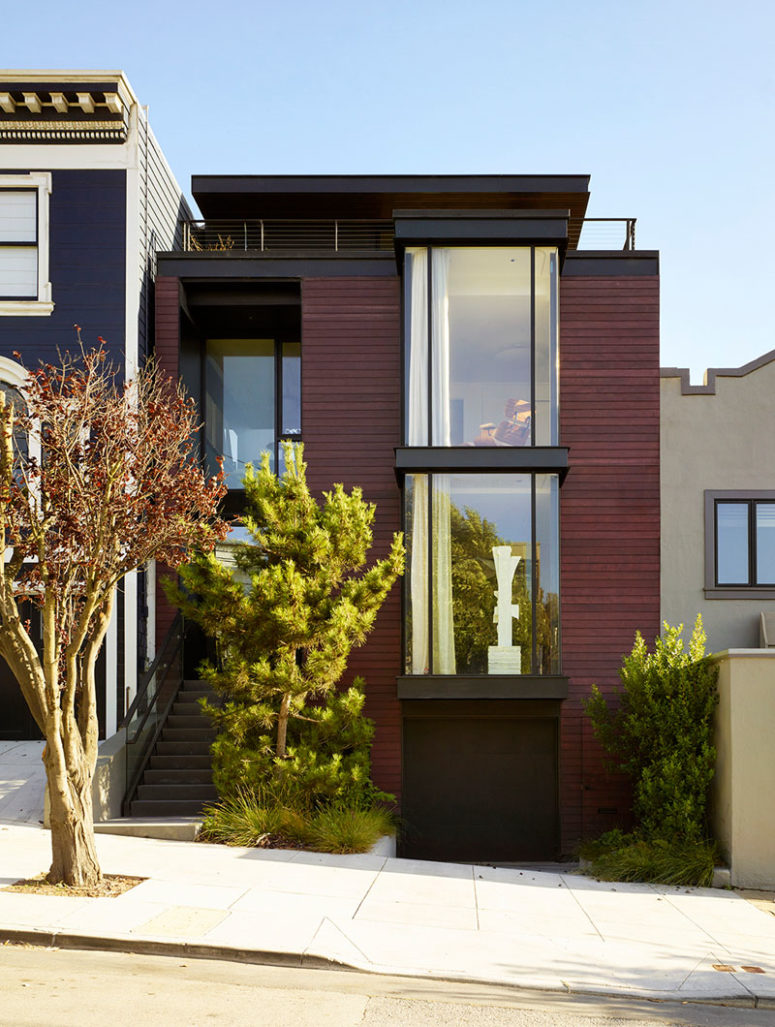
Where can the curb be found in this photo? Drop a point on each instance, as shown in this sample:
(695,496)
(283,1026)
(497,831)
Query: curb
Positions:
(147,947)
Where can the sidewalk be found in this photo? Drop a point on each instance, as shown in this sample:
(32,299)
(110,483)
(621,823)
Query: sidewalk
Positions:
(558,932)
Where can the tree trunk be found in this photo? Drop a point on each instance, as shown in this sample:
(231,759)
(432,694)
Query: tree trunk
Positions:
(282,724)
(74,852)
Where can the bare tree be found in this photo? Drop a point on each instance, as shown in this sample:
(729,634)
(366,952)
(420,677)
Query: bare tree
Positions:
(97,477)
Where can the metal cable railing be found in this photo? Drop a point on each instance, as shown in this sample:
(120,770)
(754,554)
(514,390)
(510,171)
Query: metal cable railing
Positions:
(603,233)
(285,235)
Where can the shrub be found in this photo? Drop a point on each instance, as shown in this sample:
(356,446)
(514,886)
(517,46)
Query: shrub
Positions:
(660,734)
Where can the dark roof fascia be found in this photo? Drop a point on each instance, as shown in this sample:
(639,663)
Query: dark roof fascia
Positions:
(610,263)
(388,183)
(247,265)
(709,388)
(482,227)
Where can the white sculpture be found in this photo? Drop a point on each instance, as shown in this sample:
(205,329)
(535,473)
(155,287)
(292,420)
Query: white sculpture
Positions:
(505,657)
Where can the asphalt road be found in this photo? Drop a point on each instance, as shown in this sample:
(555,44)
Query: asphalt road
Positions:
(59,988)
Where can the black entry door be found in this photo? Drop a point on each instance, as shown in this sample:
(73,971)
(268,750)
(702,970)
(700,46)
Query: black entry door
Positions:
(480,788)
(16,721)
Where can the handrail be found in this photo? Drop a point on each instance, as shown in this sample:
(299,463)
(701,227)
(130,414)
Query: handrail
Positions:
(157,690)
(288,235)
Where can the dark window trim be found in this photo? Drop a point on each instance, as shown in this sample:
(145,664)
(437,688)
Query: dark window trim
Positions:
(739,591)
(482,459)
(482,686)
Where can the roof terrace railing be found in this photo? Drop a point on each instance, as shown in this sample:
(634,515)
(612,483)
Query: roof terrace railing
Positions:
(287,235)
(347,236)
(603,233)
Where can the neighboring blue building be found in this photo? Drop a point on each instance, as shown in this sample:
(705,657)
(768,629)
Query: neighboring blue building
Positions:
(86,199)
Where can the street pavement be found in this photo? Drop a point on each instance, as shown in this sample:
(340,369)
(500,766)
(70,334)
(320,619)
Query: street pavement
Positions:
(559,932)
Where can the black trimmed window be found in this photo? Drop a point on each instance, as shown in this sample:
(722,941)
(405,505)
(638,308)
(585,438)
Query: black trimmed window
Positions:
(482,580)
(481,329)
(252,402)
(740,541)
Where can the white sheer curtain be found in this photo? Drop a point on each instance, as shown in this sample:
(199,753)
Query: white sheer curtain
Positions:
(417,435)
(443,623)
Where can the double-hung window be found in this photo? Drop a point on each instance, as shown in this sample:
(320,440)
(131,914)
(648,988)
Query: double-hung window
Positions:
(24,246)
(740,541)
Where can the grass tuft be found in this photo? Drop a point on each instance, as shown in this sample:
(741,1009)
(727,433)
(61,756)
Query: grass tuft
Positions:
(620,857)
(251,820)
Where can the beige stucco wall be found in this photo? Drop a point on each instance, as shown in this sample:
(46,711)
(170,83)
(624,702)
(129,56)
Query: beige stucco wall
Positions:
(721,441)
(743,812)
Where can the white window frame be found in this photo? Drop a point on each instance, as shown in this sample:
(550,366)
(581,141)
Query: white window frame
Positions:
(43,305)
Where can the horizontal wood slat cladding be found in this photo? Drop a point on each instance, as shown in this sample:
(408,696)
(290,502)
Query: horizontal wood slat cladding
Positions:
(351,411)
(609,509)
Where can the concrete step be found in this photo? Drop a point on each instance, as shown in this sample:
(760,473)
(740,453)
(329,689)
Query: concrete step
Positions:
(193,720)
(194,685)
(190,747)
(187,734)
(204,792)
(179,829)
(186,708)
(179,762)
(167,807)
(178,775)
(191,699)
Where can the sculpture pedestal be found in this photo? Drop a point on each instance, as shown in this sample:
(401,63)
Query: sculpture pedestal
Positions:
(504,659)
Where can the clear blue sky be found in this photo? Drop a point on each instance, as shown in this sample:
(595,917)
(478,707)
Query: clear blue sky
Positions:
(668,105)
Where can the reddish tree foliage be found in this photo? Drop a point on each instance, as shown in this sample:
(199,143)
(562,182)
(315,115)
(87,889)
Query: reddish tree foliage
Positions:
(97,477)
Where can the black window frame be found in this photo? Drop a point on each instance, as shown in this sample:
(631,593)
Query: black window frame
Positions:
(750,499)
(406,341)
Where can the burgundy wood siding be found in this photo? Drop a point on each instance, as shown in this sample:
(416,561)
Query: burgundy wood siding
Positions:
(168,354)
(351,409)
(609,508)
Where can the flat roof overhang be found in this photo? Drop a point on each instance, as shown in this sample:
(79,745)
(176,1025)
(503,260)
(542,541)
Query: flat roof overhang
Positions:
(377,196)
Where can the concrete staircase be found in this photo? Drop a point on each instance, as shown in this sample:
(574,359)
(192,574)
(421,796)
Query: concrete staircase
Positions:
(178,780)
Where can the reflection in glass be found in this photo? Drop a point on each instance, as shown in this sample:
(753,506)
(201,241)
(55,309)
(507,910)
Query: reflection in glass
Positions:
(239,404)
(546,366)
(291,405)
(732,544)
(765,543)
(481,565)
(481,342)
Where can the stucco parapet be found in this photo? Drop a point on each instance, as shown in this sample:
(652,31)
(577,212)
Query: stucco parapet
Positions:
(749,654)
(709,388)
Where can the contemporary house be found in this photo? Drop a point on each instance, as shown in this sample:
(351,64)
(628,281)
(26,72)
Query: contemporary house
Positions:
(449,344)
(86,200)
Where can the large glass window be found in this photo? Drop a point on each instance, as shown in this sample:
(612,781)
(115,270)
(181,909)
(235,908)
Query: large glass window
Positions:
(252,400)
(482,574)
(745,542)
(481,329)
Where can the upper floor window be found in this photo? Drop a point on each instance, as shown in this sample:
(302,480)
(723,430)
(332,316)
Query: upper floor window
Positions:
(743,534)
(481,331)
(252,401)
(24,246)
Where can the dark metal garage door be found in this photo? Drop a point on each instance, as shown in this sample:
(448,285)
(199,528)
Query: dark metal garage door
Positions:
(480,781)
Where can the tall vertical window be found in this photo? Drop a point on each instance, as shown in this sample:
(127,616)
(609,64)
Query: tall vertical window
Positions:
(252,402)
(481,331)
(24,285)
(482,589)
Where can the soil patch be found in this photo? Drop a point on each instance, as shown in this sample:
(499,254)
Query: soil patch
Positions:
(109,887)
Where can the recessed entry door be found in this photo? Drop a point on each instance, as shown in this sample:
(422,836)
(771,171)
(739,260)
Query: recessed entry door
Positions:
(480,789)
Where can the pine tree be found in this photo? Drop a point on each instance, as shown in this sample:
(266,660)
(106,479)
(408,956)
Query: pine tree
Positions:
(285,618)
